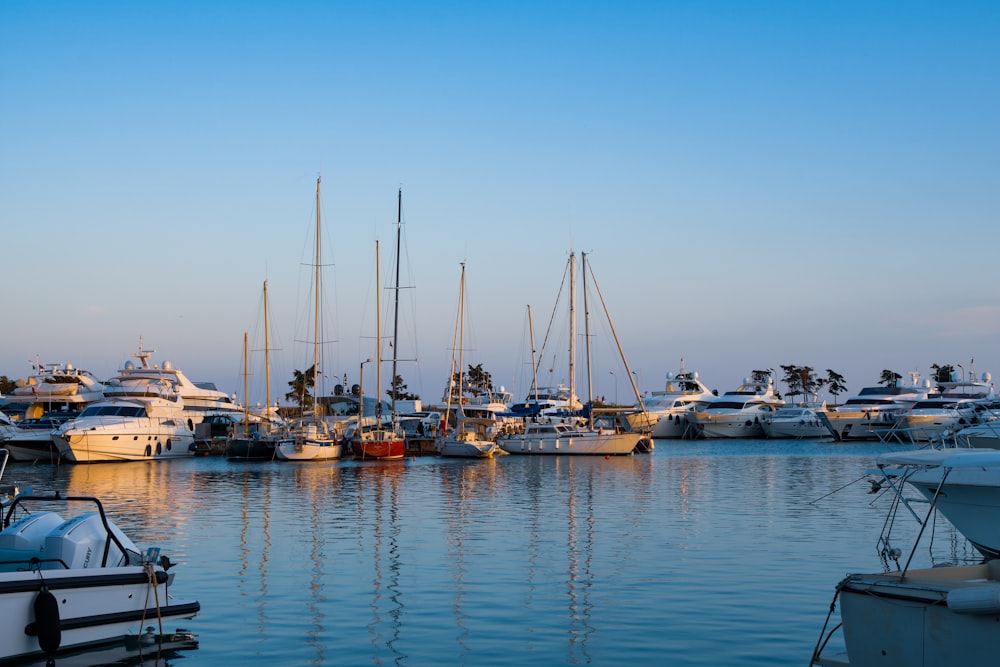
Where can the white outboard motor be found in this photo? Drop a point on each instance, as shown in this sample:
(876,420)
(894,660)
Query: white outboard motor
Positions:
(25,539)
(80,541)
(28,533)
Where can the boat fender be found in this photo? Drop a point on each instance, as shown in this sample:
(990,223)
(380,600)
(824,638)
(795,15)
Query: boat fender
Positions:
(148,451)
(159,449)
(46,625)
(984,599)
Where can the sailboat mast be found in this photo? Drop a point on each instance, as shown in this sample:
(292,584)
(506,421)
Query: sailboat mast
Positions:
(572,326)
(461,346)
(246,382)
(378,334)
(395,317)
(267,358)
(586,334)
(534,364)
(316,408)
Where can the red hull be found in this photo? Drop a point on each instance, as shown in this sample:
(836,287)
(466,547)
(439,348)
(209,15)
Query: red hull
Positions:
(379,449)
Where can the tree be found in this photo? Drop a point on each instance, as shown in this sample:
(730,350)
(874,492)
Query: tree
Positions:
(398,389)
(302,385)
(6,385)
(835,383)
(943,374)
(890,378)
(479,381)
(800,380)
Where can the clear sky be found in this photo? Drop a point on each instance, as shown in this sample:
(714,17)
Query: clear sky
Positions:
(755,183)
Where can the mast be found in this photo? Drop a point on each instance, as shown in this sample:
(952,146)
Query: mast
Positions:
(572,326)
(378,338)
(534,364)
(461,344)
(267,359)
(586,334)
(395,317)
(246,382)
(316,408)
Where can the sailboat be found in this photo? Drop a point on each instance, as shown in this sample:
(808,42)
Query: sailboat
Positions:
(255,437)
(312,437)
(553,435)
(470,437)
(382,440)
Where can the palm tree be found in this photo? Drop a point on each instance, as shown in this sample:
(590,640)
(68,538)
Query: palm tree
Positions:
(301,388)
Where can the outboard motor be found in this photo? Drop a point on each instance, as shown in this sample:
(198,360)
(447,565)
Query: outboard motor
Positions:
(80,541)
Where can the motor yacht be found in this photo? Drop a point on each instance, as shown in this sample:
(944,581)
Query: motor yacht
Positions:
(670,409)
(874,410)
(128,429)
(739,413)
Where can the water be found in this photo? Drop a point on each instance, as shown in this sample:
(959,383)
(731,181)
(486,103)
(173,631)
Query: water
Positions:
(703,553)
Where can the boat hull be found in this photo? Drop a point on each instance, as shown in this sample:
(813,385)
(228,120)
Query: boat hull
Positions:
(728,426)
(309,450)
(891,621)
(383,449)
(478,449)
(95,605)
(32,448)
(139,444)
(250,449)
(859,424)
(675,426)
(970,500)
(585,444)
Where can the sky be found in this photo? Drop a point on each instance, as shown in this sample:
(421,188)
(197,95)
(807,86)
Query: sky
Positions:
(755,184)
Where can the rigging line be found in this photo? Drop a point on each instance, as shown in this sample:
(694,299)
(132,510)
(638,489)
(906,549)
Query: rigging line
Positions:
(837,490)
(552,317)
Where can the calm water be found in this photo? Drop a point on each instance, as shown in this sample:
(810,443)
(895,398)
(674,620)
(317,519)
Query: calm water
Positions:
(704,553)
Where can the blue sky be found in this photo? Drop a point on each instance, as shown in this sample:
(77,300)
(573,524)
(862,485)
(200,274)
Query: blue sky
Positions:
(756,183)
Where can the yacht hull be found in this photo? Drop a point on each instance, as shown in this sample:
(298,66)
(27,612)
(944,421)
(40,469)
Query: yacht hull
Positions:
(133,444)
(584,444)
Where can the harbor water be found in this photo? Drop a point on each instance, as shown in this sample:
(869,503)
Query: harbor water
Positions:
(701,553)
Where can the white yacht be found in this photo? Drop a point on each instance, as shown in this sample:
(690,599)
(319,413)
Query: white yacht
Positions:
(739,413)
(127,429)
(963,484)
(795,422)
(145,380)
(51,395)
(874,410)
(548,401)
(669,409)
(471,438)
(553,434)
(942,414)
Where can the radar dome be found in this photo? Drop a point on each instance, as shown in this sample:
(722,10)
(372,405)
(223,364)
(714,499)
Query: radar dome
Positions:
(167,365)
(987,377)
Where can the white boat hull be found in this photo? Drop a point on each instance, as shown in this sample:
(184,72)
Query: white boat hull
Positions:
(94,605)
(859,424)
(308,450)
(970,500)
(675,425)
(138,442)
(713,425)
(589,443)
(937,617)
(476,449)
